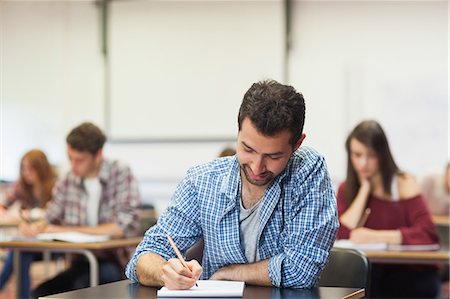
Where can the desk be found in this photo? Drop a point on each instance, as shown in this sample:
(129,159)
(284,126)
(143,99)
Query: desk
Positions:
(441,219)
(408,257)
(87,249)
(442,223)
(126,289)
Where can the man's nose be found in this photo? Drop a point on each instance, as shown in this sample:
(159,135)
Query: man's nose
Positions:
(258,165)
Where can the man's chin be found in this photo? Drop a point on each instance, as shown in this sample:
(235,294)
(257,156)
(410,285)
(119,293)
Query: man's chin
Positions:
(259,182)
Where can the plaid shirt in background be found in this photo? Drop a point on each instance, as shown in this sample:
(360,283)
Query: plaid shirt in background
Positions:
(119,202)
(298,220)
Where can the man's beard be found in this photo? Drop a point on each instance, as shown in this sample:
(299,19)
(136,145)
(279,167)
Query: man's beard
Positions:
(268,178)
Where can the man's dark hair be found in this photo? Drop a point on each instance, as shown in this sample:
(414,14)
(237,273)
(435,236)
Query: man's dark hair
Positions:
(273,107)
(87,137)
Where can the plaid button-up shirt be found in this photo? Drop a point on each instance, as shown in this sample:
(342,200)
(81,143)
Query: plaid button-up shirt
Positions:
(119,201)
(297,228)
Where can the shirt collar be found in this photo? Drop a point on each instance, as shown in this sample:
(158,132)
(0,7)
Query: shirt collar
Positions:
(102,175)
(232,182)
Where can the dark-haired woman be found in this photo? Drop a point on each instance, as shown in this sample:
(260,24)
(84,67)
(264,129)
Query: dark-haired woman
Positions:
(398,213)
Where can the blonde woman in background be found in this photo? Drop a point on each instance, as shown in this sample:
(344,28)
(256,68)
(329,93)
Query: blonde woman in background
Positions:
(29,195)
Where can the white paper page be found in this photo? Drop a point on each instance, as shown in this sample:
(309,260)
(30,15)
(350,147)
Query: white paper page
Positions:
(74,237)
(207,288)
(344,243)
(424,247)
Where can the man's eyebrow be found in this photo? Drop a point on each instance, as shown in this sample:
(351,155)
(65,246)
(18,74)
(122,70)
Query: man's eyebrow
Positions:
(267,154)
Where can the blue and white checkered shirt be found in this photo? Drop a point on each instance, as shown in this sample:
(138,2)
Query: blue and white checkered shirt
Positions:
(297,228)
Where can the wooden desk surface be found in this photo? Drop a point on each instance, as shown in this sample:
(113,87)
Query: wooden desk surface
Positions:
(9,222)
(441,219)
(409,257)
(30,244)
(127,290)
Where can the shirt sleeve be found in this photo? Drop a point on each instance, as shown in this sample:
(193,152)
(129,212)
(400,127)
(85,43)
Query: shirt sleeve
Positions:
(54,211)
(13,194)
(344,232)
(309,234)
(128,202)
(422,229)
(178,221)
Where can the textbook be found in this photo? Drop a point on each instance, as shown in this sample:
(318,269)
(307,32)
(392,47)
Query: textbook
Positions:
(74,237)
(207,288)
(344,243)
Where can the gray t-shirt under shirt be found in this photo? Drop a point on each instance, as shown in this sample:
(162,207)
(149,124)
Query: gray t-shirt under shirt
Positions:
(249,229)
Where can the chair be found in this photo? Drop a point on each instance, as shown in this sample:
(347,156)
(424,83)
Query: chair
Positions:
(348,268)
(147,217)
(196,252)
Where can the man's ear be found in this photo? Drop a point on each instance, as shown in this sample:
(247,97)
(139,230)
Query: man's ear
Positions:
(299,142)
(99,155)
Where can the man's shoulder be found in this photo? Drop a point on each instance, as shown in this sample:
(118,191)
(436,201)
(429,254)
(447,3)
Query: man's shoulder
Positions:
(218,165)
(305,163)
(113,167)
(116,164)
(306,157)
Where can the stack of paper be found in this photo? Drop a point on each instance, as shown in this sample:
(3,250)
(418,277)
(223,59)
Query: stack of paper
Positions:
(74,237)
(424,247)
(207,288)
(343,243)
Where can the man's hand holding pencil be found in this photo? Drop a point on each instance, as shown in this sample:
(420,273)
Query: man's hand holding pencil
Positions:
(179,274)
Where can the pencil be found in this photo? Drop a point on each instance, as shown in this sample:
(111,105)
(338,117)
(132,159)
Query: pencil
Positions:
(179,256)
(364,217)
(26,219)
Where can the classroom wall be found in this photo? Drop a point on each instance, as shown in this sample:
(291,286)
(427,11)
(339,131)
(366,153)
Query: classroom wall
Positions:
(351,60)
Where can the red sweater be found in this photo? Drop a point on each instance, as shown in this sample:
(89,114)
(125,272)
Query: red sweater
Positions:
(411,216)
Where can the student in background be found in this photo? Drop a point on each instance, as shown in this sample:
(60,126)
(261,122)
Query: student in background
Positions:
(398,214)
(30,194)
(228,151)
(98,196)
(267,215)
(436,190)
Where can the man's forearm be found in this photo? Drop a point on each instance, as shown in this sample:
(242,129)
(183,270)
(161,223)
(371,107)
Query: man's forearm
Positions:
(255,273)
(149,269)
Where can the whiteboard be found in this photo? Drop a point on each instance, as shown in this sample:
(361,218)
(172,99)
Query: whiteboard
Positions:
(179,70)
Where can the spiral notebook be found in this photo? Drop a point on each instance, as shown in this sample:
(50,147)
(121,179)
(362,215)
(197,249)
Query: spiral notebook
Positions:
(207,288)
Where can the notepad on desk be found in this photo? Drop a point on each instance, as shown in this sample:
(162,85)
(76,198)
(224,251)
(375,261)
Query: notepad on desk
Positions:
(74,237)
(344,243)
(207,288)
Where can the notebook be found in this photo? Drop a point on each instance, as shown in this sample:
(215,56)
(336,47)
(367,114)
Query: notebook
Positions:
(343,243)
(207,288)
(74,237)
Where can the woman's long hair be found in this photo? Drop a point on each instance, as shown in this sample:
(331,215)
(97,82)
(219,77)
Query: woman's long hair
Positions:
(47,177)
(370,134)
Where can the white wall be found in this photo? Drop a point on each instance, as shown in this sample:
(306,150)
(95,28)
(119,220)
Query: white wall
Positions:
(386,60)
(352,60)
(51,76)
(179,69)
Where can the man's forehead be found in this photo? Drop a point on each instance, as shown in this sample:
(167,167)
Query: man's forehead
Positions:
(79,154)
(250,137)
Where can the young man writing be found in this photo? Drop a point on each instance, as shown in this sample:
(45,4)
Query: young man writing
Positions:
(267,215)
(97,196)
